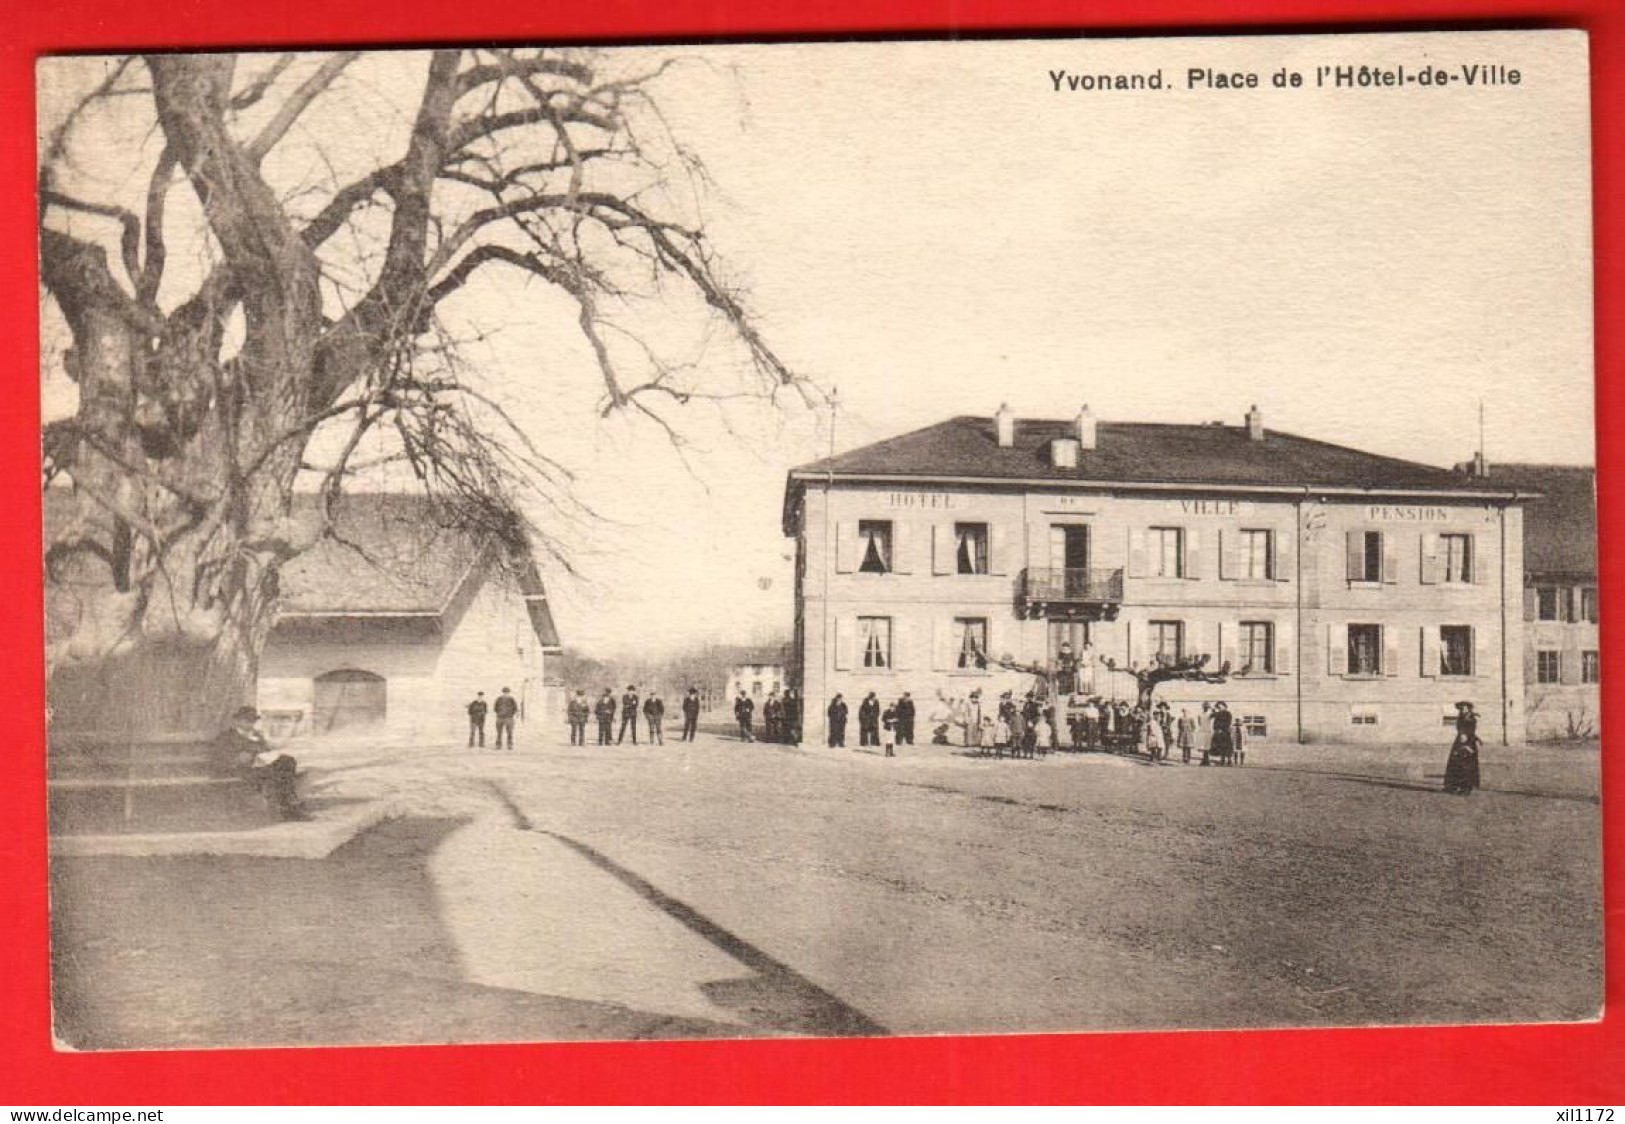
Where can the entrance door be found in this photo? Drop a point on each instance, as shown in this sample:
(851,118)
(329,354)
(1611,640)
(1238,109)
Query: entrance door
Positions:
(348,698)
(1069,557)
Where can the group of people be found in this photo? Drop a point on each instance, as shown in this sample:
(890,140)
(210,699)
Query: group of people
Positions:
(505,708)
(651,709)
(781,717)
(885,726)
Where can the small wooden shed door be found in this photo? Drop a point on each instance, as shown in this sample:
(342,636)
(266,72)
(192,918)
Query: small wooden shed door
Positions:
(349,698)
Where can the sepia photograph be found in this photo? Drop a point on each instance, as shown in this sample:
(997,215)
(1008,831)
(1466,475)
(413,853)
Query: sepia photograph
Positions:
(819,539)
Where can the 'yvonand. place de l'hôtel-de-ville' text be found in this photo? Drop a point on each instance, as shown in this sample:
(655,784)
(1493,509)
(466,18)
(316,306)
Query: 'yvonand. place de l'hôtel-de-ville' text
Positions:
(1479,75)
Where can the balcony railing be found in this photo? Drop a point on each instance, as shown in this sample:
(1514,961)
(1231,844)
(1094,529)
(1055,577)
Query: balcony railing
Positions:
(1079,588)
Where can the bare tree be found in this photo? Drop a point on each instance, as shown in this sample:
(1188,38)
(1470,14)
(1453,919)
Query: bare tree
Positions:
(1162,669)
(310,304)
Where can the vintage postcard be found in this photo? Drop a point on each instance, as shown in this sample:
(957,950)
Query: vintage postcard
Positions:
(828,539)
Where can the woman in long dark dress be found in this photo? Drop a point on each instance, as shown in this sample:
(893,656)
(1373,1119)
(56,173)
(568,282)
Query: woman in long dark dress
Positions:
(1461,770)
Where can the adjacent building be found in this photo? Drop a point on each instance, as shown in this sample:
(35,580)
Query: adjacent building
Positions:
(1353,596)
(396,622)
(757,674)
(1562,668)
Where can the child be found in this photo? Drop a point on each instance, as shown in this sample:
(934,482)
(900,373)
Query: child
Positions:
(888,725)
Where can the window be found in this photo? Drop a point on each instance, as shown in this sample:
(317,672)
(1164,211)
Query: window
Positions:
(1588,604)
(1362,718)
(1455,649)
(1365,649)
(1365,556)
(874,639)
(874,545)
(1546,602)
(1257,554)
(1256,725)
(1257,647)
(1166,552)
(1167,640)
(1456,558)
(970,547)
(1590,667)
(1548,667)
(972,634)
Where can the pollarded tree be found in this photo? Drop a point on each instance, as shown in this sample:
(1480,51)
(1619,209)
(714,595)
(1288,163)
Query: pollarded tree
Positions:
(1162,669)
(256,289)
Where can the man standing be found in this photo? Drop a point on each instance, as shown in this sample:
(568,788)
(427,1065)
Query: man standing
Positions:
(869,720)
(905,720)
(691,714)
(605,711)
(578,711)
(743,709)
(654,713)
(476,720)
(837,722)
(792,717)
(629,715)
(772,712)
(506,708)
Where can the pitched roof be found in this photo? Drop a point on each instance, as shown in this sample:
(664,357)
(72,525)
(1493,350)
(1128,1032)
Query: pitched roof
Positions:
(1560,527)
(1140,453)
(391,557)
(388,557)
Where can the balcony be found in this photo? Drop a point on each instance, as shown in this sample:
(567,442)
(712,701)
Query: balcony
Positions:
(1070,594)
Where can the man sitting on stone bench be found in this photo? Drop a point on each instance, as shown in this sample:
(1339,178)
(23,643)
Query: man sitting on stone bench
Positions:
(243,750)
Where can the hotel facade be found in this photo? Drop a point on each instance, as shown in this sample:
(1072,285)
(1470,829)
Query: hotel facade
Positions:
(1353,597)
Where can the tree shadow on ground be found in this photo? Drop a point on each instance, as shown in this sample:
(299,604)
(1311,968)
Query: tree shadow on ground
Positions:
(775,997)
(199,951)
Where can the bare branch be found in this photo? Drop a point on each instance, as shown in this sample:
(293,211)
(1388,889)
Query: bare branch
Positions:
(309,90)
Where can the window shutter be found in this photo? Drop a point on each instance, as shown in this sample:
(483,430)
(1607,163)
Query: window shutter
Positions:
(1229,548)
(846,547)
(1429,664)
(1193,553)
(1390,650)
(941,643)
(1571,602)
(1430,558)
(1390,557)
(1337,649)
(902,643)
(1476,569)
(1354,555)
(1134,633)
(1283,540)
(994,635)
(1226,635)
(1283,648)
(1136,552)
(845,639)
(1531,601)
(1481,651)
(1568,666)
(902,562)
(1531,667)
(997,563)
(943,549)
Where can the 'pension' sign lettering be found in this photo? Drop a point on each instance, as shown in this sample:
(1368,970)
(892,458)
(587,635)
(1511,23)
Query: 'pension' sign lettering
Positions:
(1407,513)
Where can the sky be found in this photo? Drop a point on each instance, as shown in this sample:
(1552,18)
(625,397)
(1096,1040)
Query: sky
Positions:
(932,229)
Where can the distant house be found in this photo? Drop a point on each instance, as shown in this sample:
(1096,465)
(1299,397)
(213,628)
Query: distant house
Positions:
(1562,669)
(395,623)
(757,674)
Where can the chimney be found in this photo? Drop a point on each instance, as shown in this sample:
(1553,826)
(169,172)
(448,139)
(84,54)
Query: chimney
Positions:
(1255,425)
(1085,424)
(1004,424)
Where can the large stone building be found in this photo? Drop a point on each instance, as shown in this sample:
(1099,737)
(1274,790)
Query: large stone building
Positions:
(1355,596)
(1562,657)
(396,623)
